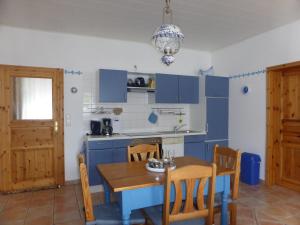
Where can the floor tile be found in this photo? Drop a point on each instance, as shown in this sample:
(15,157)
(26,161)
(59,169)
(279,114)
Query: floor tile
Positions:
(72,222)
(13,215)
(41,220)
(67,215)
(257,205)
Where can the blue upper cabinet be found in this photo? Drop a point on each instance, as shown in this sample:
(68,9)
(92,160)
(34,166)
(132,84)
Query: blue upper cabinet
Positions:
(188,89)
(217,118)
(113,85)
(177,89)
(216,86)
(167,90)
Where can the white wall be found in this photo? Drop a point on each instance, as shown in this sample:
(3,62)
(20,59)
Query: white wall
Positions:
(88,54)
(247,114)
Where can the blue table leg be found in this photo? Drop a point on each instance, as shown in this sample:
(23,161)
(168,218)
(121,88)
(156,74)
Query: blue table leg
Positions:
(126,219)
(224,209)
(126,206)
(106,193)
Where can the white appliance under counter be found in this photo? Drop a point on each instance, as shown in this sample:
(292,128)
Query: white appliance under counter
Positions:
(174,145)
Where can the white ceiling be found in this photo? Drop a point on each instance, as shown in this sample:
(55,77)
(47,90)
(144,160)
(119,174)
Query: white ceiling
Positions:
(207,24)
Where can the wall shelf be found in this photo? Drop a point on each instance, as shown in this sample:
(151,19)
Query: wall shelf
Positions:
(140,89)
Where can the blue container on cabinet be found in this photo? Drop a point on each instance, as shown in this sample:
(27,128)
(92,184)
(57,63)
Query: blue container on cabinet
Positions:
(250,165)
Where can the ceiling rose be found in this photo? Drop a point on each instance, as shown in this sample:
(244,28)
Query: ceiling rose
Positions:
(168,37)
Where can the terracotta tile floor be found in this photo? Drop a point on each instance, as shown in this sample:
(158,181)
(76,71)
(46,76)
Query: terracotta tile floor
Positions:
(257,205)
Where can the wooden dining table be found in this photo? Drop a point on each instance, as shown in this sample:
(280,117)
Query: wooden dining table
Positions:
(135,187)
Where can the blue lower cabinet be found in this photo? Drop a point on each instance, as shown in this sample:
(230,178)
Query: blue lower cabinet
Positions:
(194,146)
(196,150)
(100,152)
(209,148)
(98,157)
(119,155)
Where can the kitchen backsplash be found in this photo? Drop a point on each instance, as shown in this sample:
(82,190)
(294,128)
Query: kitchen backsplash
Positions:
(136,111)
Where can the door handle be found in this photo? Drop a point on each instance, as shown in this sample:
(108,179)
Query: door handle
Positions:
(55,126)
(206,128)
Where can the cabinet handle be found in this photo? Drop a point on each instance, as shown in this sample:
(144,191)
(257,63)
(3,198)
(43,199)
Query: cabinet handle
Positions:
(206,128)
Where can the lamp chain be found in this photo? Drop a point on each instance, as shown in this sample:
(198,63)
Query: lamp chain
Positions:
(167,11)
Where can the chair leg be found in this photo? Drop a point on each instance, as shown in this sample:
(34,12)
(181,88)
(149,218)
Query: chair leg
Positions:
(233,213)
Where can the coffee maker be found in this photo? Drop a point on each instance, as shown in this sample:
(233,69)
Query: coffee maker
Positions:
(107,127)
(95,127)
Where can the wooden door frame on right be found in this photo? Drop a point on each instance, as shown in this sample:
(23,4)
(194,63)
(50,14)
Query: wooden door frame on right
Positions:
(273,125)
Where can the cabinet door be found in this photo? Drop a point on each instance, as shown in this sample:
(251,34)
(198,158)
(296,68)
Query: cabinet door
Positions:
(209,148)
(97,157)
(166,88)
(119,155)
(113,86)
(196,150)
(216,86)
(188,89)
(217,118)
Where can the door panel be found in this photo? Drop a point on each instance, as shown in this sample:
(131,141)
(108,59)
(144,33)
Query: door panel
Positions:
(216,86)
(167,89)
(188,89)
(289,163)
(113,86)
(217,118)
(32,154)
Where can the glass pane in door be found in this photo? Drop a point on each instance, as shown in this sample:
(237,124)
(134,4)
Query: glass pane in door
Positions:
(32,98)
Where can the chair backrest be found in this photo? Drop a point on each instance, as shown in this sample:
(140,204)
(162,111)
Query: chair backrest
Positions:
(81,158)
(87,198)
(189,177)
(142,152)
(229,160)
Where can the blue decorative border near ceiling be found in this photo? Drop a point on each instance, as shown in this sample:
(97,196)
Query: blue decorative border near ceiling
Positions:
(250,74)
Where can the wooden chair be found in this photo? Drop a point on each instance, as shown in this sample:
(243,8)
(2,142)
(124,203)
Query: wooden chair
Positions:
(103,214)
(228,161)
(81,158)
(143,152)
(188,211)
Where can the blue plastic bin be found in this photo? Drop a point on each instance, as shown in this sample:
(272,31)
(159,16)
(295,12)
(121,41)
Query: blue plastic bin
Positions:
(250,165)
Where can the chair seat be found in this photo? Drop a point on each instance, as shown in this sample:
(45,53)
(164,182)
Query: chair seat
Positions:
(155,215)
(111,215)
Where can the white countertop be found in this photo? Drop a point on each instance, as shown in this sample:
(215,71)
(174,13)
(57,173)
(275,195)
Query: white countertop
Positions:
(158,134)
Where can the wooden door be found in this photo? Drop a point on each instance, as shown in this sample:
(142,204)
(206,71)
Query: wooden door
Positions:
(31,128)
(290,135)
(283,126)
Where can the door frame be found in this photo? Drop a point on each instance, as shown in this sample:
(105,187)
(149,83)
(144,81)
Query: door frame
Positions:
(273,125)
(6,184)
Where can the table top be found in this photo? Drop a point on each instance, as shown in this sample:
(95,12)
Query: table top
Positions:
(128,176)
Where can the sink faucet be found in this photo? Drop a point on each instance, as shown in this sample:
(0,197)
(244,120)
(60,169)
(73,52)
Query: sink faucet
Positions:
(178,127)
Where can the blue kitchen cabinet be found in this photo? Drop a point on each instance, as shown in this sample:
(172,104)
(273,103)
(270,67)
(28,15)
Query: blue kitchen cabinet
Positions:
(120,150)
(188,89)
(217,118)
(119,155)
(209,148)
(98,157)
(195,150)
(194,146)
(112,85)
(177,89)
(216,86)
(100,152)
(167,89)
